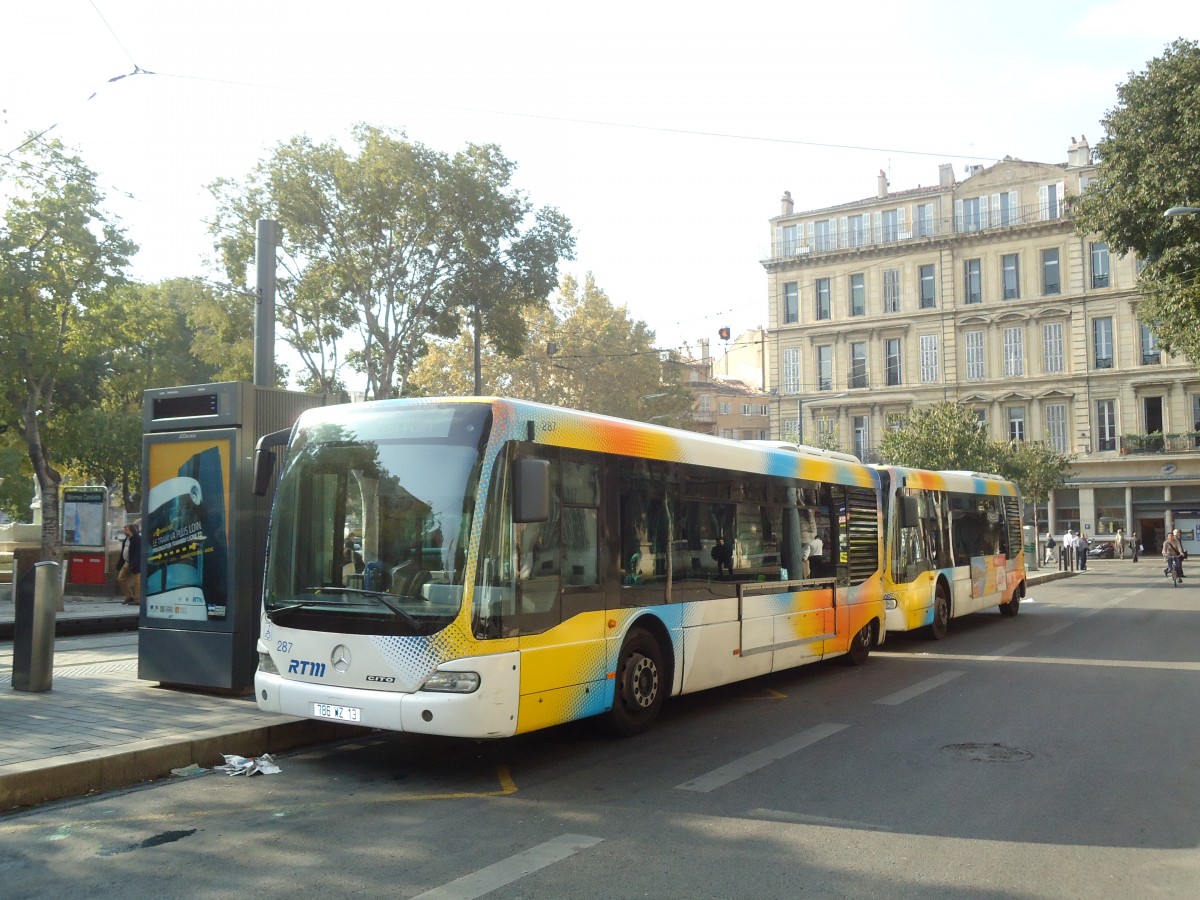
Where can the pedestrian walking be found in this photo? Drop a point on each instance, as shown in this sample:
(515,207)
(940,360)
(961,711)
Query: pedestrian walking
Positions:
(1081,549)
(1049,549)
(129,576)
(1119,544)
(1133,543)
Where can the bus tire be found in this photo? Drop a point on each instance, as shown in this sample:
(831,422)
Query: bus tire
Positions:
(1013,606)
(941,613)
(641,689)
(860,646)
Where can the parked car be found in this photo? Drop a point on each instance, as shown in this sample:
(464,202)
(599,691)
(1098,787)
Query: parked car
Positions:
(1102,551)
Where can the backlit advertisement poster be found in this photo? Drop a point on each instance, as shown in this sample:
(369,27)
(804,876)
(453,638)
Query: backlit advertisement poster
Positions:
(185,536)
(83,517)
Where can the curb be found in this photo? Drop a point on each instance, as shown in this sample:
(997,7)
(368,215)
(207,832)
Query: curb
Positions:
(80,625)
(57,778)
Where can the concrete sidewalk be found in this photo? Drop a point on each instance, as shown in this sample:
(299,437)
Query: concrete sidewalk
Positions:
(100,728)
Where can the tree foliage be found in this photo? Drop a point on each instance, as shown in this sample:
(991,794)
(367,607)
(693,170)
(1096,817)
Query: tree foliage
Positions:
(61,260)
(580,352)
(1148,164)
(388,244)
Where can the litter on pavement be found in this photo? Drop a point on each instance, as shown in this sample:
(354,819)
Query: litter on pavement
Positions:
(240,765)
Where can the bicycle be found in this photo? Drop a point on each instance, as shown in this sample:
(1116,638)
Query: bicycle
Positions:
(1173,563)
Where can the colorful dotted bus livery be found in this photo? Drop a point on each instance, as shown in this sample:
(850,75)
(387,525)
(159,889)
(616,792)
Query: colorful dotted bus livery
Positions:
(543,565)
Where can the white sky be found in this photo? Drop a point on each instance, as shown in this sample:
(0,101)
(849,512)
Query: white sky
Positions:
(666,132)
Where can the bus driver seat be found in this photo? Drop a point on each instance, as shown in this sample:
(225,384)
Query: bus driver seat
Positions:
(408,578)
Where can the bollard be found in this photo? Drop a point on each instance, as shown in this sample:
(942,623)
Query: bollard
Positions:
(38,596)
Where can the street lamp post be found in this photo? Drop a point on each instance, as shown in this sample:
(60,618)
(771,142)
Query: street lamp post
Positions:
(1182,211)
(800,412)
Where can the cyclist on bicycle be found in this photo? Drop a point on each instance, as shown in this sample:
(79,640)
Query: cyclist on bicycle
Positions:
(1173,551)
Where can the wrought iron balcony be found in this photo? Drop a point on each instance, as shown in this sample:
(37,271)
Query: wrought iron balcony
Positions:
(1183,442)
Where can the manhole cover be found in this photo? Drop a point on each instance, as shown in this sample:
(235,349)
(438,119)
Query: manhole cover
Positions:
(988,752)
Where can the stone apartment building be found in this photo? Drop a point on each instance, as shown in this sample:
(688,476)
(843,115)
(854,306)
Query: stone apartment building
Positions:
(981,291)
(730,400)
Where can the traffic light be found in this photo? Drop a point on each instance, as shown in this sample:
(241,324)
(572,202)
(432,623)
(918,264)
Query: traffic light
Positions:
(723,333)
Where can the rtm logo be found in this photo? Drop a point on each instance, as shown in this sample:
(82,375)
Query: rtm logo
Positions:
(304,667)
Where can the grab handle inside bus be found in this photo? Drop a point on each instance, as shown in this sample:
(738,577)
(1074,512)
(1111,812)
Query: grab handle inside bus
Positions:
(531,490)
(264,459)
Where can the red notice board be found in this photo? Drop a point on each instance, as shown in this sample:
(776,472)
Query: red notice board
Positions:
(85,568)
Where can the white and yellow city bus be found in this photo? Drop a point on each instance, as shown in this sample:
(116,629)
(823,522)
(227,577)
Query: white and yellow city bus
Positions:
(524,565)
(953,547)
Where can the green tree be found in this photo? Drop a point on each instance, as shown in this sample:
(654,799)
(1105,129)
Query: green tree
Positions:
(61,259)
(1037,469)
(942,436)
(390,244)
(580,352)
(1148,164)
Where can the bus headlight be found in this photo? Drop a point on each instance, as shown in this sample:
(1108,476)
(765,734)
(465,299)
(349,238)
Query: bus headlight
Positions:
(889,602)
(452,682)
(266,664)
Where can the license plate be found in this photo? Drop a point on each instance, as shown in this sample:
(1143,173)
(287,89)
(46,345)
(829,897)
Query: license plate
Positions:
(340,713)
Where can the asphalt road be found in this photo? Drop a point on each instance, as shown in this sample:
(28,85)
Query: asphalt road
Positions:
(1051,755)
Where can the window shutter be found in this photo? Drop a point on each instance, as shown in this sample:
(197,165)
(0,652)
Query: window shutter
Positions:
(902,222)
(844,231)
(983,212)
(1014,210)
(1043,202)
(996,209)
(808,232)
(958,215)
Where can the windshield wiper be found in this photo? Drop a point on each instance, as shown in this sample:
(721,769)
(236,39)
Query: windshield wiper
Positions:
(377,596)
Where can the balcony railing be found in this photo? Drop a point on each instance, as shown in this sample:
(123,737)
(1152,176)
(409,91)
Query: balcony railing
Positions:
(1183,442)
(848,238)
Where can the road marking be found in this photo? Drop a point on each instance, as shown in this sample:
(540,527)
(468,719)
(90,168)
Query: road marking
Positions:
(512,869)
(782,815)
(919,688)
(1005,650)
(755,761)
(1055,629)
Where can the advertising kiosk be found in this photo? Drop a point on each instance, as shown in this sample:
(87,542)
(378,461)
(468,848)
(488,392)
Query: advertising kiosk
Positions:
(204,530)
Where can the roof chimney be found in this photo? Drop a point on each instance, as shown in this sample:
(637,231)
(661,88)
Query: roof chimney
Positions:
(881,185)
(786,206)
(946,175)
(1079,153)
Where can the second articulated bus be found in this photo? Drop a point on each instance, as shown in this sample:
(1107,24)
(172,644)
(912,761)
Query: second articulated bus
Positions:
(952,547)
(486,567)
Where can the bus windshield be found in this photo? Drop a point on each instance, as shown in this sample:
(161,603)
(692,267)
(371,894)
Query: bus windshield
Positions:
(372,518)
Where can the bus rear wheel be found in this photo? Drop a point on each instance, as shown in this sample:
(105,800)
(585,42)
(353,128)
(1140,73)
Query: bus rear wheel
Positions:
(941,613)
(1013,606)
(640,689)
(860,647)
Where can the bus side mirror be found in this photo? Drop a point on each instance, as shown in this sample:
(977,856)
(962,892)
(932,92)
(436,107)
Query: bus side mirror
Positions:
(264,459)
(531,490)
(910,512)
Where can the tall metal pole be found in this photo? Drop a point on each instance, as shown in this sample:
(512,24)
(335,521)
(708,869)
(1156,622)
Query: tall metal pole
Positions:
(267,239)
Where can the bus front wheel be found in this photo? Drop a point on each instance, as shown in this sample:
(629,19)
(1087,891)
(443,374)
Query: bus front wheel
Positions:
(860,647)
(941,613)
(640,689)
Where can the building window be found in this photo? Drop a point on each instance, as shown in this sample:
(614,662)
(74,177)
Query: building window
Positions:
(1004,209)
(1014,352)
(789,245)
(858,364)
(895,421)
(928,287)
(974,341)
(706,402)
(791,303)
(1010,267)
(1049,201)
(969,216)
(1100,274)
(858,295)
(1151,355)
(1106,424)
(1056,426)
(1051,274)
(1016,423)
(746,409)
(747,434)
(1052,348)
(826,235)
(1196,419)
(827,431)
(981,419)
(925,221)
(861,436)
(825,367)
(891,361)
(791,430)
(857,228)
(891,225)
(725,409)
(929,359)
(791,372)
(973,281)
(891,290)
(824,308)
(1102,342)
